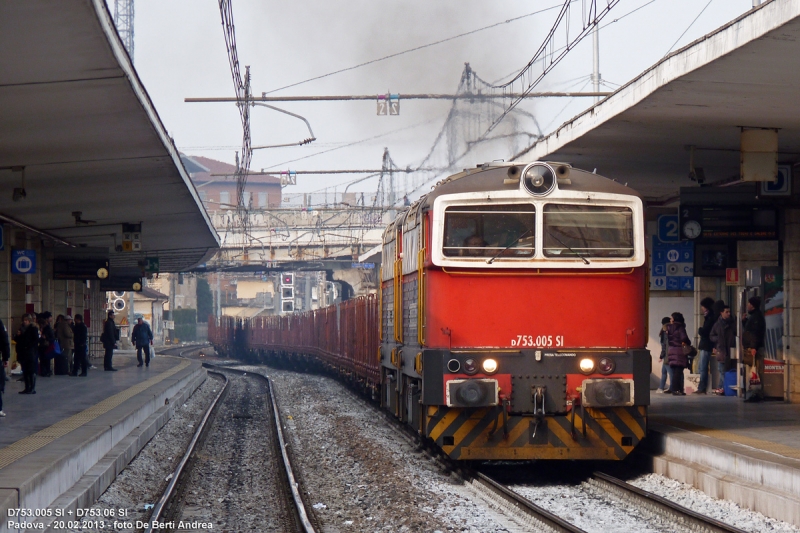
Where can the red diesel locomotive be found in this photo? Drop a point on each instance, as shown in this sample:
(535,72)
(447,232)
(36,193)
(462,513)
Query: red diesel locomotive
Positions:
(510,322)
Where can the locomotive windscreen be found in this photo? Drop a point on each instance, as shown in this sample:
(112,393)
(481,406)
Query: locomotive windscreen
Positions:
(486,230)
(587,231)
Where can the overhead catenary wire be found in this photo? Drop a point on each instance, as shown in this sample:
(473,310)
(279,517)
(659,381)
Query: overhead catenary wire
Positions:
(688,27)
(415,49)
(592,18)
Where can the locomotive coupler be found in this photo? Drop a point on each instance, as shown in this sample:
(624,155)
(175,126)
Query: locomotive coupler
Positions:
(537,393)
(505,407)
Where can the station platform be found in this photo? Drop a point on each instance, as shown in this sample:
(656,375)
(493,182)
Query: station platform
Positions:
(62,447)
(748,453)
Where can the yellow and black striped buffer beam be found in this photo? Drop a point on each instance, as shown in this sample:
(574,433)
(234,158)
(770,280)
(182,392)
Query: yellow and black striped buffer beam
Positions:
(485,434)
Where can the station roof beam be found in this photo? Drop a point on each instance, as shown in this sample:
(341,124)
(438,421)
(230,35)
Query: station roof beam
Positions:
(79,122)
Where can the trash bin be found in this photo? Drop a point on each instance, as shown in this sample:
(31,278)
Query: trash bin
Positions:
(729,383)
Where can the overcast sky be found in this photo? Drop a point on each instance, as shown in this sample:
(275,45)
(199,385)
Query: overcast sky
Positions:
(180,52)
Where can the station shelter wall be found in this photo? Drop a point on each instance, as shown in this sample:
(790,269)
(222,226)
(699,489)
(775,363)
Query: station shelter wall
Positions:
(38,292)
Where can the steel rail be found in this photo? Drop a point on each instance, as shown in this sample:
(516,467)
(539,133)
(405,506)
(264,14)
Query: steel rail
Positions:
(660,505)
(169,492)
(300,507)
(541,514)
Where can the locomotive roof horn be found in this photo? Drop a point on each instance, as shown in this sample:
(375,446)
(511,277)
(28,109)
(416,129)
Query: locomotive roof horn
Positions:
(539,179)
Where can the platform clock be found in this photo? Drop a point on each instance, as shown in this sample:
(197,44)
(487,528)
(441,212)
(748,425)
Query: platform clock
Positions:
(692,229)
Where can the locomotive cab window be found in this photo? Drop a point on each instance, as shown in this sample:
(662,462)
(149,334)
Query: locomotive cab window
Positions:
(588,231)
(490,230)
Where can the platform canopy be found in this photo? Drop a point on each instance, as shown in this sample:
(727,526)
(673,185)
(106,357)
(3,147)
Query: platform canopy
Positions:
(744,74)
(75,116)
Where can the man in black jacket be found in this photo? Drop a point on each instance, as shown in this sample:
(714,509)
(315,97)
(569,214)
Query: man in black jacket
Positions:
(754,332)
(723,335)
(109,340)
(27,339)
(705,345)
(142,338)
(81,347)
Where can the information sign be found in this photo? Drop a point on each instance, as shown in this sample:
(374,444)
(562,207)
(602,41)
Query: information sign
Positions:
(668,228)
(23,261)
(151,264)
(731,276)
(782,186)
(672,266)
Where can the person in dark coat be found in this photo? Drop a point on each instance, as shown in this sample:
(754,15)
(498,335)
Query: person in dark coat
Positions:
(723,335)
(676,340)
(142,338)
(47,344)
(109,340)
(705,345)
(27,339)
(5,355)
(753,334)
(665,368)
(81,341)
(65,338)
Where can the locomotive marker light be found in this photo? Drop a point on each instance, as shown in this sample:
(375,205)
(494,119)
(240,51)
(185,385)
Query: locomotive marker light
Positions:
(586,365)
(606,366)
(453,365)
(470,367)
(489,366)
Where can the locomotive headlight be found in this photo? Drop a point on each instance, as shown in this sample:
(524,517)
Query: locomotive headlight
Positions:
(586,365)
(470,367)
(489,366)
(606,366)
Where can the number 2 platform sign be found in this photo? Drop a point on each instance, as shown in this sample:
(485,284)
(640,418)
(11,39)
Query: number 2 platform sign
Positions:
(672,261)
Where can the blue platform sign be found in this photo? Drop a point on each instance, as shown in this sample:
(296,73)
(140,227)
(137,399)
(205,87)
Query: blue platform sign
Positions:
(668,228)
(672,266)
(23,261)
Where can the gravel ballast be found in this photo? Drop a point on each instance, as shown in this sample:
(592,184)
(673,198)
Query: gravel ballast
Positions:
(723,510)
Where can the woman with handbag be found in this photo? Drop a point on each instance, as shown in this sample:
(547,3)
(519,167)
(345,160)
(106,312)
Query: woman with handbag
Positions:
(679,348)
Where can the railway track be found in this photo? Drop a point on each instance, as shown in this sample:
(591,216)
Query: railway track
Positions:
(653,509)
(649,511)
(236,460)
(677,514)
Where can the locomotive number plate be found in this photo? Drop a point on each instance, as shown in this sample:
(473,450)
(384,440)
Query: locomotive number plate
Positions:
(538,341)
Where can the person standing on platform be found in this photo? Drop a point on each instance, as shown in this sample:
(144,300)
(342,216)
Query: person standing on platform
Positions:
(723,336)
(753,334)
(665,368)
(705,345)
(81,340)
(27,339)
(65,338)
(5,355)
(109,340)
(47,344)
(678,360)
(142,338)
